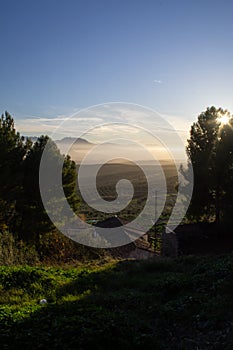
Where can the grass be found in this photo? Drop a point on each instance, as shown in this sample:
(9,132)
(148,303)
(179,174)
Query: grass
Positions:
(156,304)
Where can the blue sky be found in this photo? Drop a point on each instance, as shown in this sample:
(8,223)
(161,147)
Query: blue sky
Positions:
(59,56)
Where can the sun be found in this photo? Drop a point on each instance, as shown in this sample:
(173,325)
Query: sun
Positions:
(223,119)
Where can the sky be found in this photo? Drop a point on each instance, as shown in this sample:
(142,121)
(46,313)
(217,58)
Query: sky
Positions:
(58,57)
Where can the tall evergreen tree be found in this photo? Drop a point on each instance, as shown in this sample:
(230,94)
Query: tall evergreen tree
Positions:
(210,152)
(69,179)
(34,214)
(13,149)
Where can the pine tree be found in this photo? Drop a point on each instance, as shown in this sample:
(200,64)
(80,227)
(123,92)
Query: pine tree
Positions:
(210,151)
(13,149)
(34,213)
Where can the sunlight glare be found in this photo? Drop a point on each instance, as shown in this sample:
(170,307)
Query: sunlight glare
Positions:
(224,119)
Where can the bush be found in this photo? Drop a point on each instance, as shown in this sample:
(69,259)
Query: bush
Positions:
(14,252)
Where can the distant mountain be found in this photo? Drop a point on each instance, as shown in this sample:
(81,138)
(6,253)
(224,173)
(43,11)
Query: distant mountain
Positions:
(74,140)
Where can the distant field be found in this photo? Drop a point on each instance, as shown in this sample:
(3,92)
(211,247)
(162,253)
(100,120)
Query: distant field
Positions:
(110,173)
(117,169)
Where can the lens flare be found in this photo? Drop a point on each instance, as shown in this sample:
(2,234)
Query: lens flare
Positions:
(223,119)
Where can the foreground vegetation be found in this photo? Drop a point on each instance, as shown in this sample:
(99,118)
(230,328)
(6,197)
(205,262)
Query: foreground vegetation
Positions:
(159,304)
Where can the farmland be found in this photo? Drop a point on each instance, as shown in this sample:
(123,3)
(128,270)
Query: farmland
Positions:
(109,175)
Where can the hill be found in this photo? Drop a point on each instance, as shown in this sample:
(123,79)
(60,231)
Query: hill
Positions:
(71,140)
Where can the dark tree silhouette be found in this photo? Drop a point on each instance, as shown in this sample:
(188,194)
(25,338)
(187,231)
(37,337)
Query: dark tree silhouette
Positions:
(13,150)
(21,207)
(34,213)
(210,150)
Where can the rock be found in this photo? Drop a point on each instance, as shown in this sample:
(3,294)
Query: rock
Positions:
(43,301)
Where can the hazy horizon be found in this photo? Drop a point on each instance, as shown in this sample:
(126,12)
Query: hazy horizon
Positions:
(79,151)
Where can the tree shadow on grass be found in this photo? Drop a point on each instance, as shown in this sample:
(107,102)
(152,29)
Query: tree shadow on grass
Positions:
(160,304)
(98,310)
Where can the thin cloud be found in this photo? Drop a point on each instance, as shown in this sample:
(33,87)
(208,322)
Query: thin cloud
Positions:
(62,118)
(98,124)
(157,81)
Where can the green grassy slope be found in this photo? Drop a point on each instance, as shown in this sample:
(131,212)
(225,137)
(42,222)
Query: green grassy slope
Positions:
(159,304)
